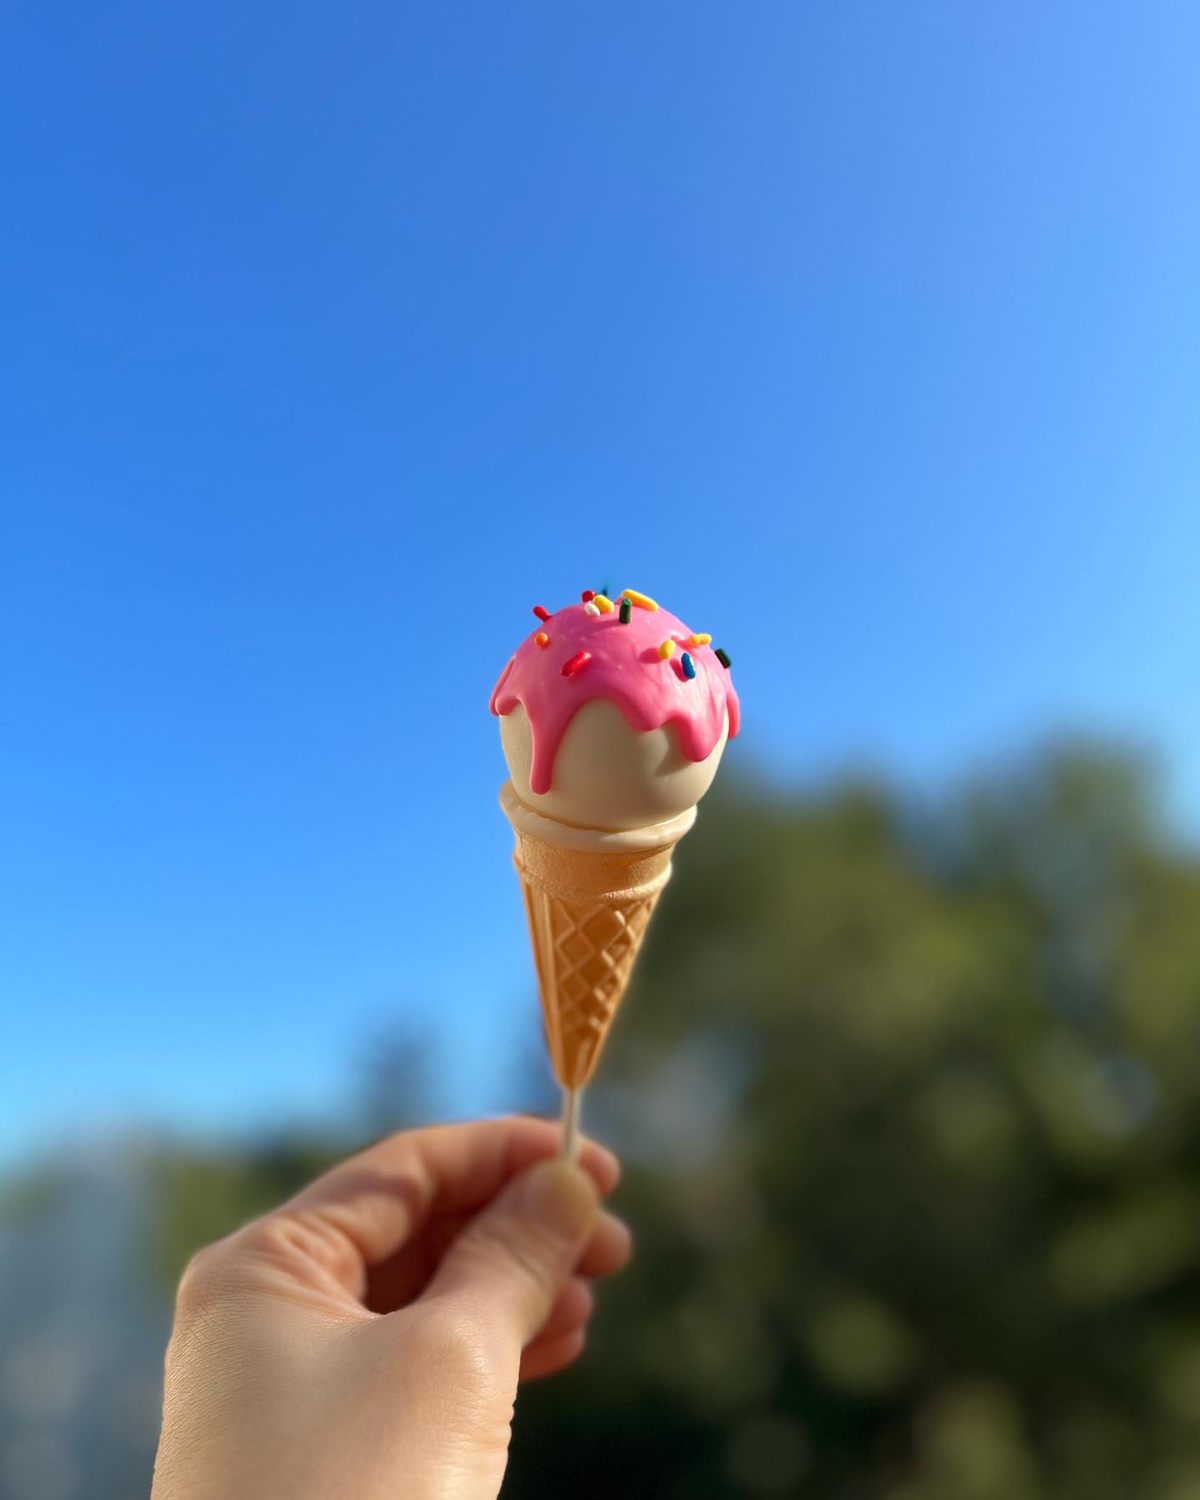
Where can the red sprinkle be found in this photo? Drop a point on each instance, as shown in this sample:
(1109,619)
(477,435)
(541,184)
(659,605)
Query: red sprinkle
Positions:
(542,614)
(579,660)
(588,595)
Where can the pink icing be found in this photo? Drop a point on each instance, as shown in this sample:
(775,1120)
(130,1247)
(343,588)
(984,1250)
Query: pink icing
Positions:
(625,667)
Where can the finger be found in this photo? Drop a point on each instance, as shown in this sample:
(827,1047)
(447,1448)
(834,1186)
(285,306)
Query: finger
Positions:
(571,1310)
(380,1198)
(609,1249)
(547,1357)
(404,1276)
(570,1315)
(512,1260)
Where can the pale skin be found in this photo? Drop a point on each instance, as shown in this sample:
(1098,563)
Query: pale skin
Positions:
(366,1339)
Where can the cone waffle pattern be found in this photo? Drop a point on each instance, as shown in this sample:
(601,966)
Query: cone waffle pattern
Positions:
(587,917)
(591,952)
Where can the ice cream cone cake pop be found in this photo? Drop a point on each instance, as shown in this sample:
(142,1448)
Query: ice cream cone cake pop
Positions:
(613,719)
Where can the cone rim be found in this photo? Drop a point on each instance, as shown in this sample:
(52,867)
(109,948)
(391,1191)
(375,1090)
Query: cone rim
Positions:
(546,830)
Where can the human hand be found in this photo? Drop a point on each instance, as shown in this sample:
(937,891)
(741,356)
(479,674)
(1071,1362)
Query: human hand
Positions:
(365,1340)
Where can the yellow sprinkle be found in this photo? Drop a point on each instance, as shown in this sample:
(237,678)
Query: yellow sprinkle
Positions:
(643,601)
(542,638)
(666,649)
(701,640)
(605,606)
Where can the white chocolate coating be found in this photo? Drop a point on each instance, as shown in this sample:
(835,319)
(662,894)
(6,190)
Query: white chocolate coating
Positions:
(607,774)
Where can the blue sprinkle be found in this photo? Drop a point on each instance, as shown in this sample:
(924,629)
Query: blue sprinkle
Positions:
(689,666)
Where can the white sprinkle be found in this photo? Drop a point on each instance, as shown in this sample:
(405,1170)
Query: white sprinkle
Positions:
(590,609)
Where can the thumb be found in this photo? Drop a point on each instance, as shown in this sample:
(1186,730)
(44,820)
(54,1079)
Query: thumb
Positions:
(513,1259)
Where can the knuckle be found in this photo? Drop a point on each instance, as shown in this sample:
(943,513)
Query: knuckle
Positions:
(298,1237)
(256,1255)
(218,1271)
(203,1281)
(278,1237)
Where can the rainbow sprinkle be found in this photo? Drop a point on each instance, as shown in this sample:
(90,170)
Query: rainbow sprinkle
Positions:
(542,614)
(542,638)
(723,658)
(626,612)
(590,608)
(689,666)
(577,662)
(700,639)
(603,604)
(643,601)
(666,649)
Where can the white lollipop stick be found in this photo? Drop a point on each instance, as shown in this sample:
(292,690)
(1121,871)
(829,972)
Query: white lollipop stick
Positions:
(570,1124)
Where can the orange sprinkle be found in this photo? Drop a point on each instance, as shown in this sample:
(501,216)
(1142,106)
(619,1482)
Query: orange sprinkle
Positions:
(643,601)
(542,638)
(666,649)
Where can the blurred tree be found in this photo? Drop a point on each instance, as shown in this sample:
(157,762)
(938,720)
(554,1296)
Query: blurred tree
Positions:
(911,1109)
(910,1101)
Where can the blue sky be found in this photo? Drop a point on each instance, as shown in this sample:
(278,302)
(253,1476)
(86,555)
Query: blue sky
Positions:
(866,336)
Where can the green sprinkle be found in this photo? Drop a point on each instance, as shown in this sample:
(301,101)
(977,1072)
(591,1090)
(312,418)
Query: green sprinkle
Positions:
(722,658)
(626,613)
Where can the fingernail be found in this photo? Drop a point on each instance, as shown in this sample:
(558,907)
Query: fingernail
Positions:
(558,1196)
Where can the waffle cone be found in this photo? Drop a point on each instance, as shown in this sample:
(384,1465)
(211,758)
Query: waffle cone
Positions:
(588,897)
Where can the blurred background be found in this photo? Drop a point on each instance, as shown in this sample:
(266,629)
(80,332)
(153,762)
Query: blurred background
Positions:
(864,336)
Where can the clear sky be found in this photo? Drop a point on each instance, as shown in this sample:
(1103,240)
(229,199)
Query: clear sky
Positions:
(333,337)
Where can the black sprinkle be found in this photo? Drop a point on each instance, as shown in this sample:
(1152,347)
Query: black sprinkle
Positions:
(722,658)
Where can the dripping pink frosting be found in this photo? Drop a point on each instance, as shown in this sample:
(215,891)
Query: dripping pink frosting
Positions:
(626,668)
